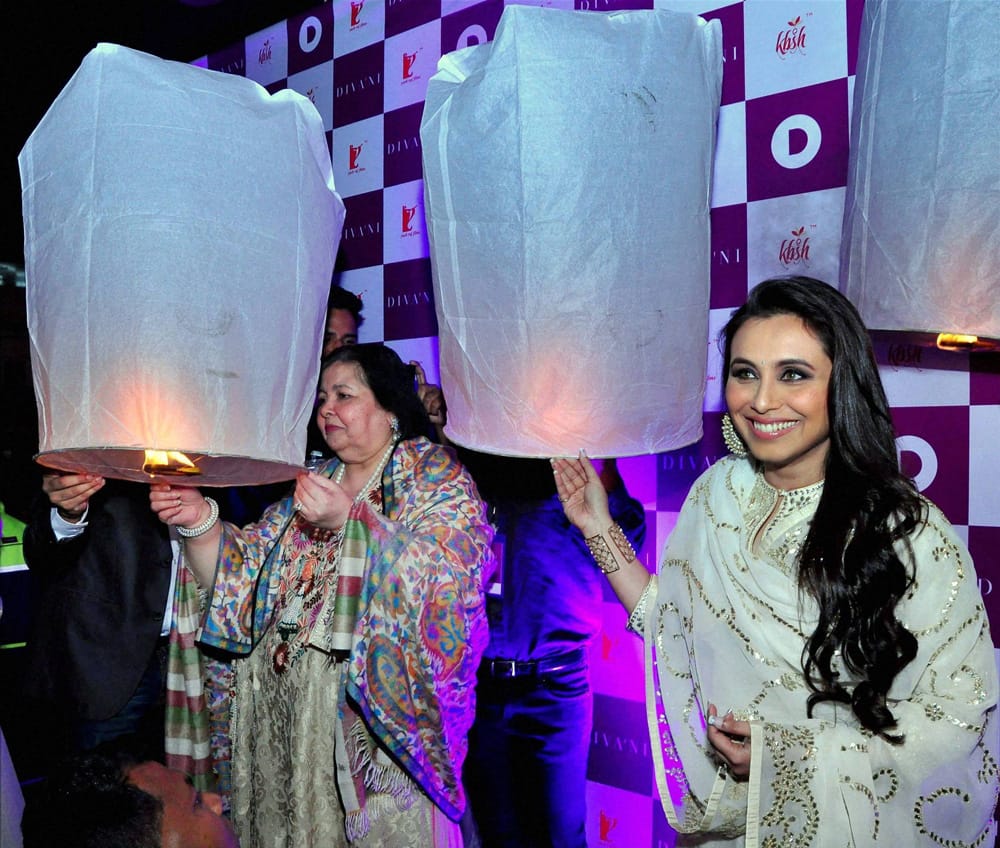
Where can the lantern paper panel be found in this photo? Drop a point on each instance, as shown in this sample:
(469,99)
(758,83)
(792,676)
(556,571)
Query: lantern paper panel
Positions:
(180,233)
(921,244)
(567,172)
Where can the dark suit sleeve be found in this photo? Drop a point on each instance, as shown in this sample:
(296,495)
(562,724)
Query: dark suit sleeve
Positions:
(98,601)
(42,551)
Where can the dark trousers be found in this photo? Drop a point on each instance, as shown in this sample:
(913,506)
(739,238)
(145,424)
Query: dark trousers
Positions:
(139,726)
(526,773)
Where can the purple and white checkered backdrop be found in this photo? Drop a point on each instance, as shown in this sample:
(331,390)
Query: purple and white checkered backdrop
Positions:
(780,176)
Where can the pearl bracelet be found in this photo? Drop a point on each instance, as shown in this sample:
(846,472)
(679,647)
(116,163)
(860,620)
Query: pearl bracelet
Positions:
(206,525)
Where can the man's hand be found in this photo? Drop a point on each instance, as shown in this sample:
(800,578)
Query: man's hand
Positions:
(431,397)
(70,493)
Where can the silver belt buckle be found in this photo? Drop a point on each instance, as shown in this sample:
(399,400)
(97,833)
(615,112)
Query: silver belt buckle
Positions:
(503,668)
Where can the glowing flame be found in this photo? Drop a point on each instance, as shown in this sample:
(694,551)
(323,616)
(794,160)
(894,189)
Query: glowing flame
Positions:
(172,463)
(961,341)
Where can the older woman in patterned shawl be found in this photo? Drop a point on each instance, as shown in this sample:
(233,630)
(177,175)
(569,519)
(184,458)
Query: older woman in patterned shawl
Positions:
(357,603)
(820,671)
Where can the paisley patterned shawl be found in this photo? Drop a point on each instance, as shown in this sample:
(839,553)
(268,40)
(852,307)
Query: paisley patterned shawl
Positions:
(728,627)
(421,628)
(415,614)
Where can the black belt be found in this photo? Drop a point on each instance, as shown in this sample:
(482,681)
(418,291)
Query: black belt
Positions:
(502,669)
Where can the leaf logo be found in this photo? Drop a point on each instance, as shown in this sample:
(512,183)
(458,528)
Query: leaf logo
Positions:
(795,23)
(798,232)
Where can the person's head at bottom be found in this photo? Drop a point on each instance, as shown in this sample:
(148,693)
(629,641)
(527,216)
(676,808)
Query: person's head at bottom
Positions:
(111,801)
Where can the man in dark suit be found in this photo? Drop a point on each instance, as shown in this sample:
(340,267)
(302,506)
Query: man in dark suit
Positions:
(102,568)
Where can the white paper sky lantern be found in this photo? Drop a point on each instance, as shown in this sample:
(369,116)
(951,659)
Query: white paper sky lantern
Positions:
(180,232)
(921,248)
(567,171)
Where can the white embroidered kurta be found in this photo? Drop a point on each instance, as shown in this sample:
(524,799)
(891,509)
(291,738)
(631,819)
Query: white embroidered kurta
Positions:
(728,625)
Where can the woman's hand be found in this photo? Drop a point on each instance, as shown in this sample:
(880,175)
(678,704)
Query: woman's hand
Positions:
(184,506)
(320,501)
(179,505)
(583,495)
(71,493)
(731,740)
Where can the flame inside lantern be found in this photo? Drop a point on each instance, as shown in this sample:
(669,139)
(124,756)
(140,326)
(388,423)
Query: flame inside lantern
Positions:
(965,342)
(169,463)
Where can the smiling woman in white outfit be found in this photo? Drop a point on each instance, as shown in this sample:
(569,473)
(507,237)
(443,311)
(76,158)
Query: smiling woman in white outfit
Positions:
(820,670)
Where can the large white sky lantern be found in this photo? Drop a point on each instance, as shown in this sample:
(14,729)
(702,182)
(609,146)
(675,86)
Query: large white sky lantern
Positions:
(921,247)
(567,171)
(180,233)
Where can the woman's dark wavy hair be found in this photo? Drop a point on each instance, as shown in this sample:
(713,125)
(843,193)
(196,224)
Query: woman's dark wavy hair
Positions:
(391,380)
(848,562)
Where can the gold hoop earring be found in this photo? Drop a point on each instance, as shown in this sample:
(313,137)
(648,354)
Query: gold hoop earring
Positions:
(736,445)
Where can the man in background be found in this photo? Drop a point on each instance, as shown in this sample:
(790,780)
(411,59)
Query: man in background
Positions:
(343,318)
(526,771)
